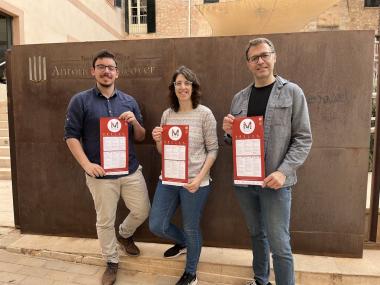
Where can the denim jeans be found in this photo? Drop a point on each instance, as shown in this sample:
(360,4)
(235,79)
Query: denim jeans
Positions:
(166,200)
(267,214)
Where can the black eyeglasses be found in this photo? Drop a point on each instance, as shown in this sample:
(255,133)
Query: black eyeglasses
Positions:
(264,56)
(103,67)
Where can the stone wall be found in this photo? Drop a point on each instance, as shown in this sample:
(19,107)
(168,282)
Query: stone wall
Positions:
(346,15)
(172,18)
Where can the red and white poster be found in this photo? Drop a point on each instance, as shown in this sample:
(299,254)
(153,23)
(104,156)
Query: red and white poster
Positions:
(114,145)
(175,154)
(248,150)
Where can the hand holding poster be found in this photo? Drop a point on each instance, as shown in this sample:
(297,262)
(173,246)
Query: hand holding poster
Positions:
(175,154)
(248,150)
(114,145)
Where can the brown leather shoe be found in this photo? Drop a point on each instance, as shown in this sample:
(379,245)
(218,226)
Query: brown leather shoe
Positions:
(129,246)
(109,276)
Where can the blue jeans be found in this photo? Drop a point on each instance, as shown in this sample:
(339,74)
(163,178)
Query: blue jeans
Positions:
(166,200)
(267,214)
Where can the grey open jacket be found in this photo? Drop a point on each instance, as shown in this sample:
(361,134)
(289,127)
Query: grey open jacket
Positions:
(287,133)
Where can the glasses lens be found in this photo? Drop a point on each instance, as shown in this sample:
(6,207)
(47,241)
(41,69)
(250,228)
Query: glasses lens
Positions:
(103,67)
(265,56)
(179,83)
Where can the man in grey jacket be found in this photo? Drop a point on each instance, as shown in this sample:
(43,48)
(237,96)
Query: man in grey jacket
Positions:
(287,142)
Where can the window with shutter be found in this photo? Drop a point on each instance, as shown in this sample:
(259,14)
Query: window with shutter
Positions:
(372,3)
(138,16)
(151,16)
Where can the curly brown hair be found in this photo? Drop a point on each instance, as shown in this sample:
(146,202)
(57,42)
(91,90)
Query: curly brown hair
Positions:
(195,94)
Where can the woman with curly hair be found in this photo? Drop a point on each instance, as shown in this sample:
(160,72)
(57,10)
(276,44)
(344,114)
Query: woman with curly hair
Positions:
(185,109)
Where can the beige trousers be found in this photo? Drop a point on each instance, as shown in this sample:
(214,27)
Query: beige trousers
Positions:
(106,194)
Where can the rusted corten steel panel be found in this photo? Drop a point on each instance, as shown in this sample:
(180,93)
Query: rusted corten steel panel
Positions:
(333,68)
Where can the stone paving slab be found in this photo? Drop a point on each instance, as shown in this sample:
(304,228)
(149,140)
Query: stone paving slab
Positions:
(31,270)
(6,204)
(227,266)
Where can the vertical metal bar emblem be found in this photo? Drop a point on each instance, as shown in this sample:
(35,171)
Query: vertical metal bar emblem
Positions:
(37,68)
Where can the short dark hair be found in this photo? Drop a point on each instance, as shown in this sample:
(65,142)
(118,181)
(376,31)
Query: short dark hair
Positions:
(256,42)
(103,54)
(195,94)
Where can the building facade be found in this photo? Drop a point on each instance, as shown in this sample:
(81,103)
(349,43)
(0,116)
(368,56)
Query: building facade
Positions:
(45,21)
